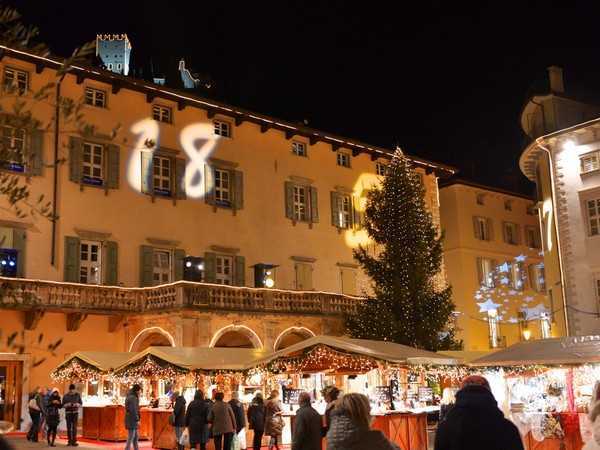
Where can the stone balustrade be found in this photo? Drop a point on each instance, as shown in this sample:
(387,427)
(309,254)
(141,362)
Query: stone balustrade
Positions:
(71,297)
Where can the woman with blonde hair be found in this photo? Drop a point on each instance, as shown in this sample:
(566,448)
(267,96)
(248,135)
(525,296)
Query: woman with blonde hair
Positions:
(448,400)
(351,426)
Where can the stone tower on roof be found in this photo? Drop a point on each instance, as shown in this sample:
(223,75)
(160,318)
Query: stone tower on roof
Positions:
(114,50)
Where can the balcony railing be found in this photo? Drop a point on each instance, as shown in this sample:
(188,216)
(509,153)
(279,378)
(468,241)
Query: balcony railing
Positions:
(26,294)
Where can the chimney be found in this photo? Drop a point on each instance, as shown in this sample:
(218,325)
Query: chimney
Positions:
(557,85)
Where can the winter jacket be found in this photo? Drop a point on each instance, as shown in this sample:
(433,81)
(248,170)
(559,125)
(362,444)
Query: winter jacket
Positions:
(594,417)
(307,429)
(444,410)
(328,412)
(72,402)
(132,411)
(273,423)
(238,412)
(222,418)
(344,434)
(476,423)
(53,410)
(179,412)
(196,419)
(256,416)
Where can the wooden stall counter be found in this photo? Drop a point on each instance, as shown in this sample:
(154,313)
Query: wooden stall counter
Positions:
(407,430)
(107,423)
(163,433)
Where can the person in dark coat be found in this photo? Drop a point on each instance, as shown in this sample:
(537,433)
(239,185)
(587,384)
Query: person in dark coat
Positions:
(132,416)
(179,417)
(240,418)
(307,427)
(331,394)
(53,416)
(256,420)
(35,412)
(350,426)
(72,402)
(273,420)
(196,420)
(475,422)
(222,423)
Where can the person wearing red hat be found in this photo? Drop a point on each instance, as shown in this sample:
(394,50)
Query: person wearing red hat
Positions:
(476,422)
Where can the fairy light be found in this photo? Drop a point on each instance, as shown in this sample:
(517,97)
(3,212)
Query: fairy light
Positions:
(76,370)
(150,367)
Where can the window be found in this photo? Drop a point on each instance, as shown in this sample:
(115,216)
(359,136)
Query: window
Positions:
(597,282)
(381,169)
(161,266)
(532,234)
(222,128)
(304,276)
(300,203)
(511,233)
(494,329)
(222,187)
(90,262)
(92,164)
(13,141)
(531,210)
(16,80)
(224,270)
(343,159)
(482,228)
(516,275)
(343,211)
(593,208)
(545,326)
(508,205)
(109,66)
(480,199)
(590,162)
(299,149)
(348,278)
(95,97)
(486,268)
(162,175)
(119,66)
(161,113)
(537,277)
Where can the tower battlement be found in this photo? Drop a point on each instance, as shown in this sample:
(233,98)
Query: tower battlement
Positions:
(114,50)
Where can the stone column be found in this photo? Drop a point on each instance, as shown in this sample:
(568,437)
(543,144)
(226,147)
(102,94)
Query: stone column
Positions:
(203,330)
(270,334)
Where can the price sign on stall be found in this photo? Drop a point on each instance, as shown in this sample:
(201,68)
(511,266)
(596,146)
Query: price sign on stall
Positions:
(383,394)
(290,396)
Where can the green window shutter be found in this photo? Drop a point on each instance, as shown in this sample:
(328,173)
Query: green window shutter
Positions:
(209,185)
(19,245)
(72,252)
(75,152)
(111,271)
(289,200)
(180,179)
(239,272)
(36,152)
(335,213)
(314,205)
(210,267)
(178,256)
(238,186)
(146,265)
(147,176)
(112,166)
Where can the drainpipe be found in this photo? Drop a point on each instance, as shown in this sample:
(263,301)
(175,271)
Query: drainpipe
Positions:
(538,142)
(55,163)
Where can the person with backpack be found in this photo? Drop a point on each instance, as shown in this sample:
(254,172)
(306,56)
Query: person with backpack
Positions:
(256,420)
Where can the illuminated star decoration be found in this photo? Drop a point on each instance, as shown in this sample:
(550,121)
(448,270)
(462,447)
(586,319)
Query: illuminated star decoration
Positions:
(504,268)
(536,312)
(478,296)
(513,320)
(528,299)
(520,258)
(504,280)
(488,305)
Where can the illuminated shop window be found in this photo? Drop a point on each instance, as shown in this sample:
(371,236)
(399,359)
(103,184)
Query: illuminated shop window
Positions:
(222,187)
(90,268)
(593,209)
(161,113)
(224,270)
(300,203)
(299,148)
(343,159)
(15,80)
(590,162)
(161,175)
(162,266)
(92,164)
(222,128)
(95,97)
(381,168)
(13,142)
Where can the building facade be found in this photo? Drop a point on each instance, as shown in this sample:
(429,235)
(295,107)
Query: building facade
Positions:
(562,160)
(151,183)
(493,259)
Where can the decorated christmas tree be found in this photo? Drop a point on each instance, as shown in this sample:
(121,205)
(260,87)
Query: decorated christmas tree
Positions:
(405,305)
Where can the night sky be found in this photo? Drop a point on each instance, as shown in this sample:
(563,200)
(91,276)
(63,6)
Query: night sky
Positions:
(443,81)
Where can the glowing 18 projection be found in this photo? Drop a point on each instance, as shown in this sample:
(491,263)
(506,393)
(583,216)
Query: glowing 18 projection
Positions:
(198,142)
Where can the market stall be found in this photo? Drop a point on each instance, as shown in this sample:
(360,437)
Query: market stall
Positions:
(544,387)
(393,376)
